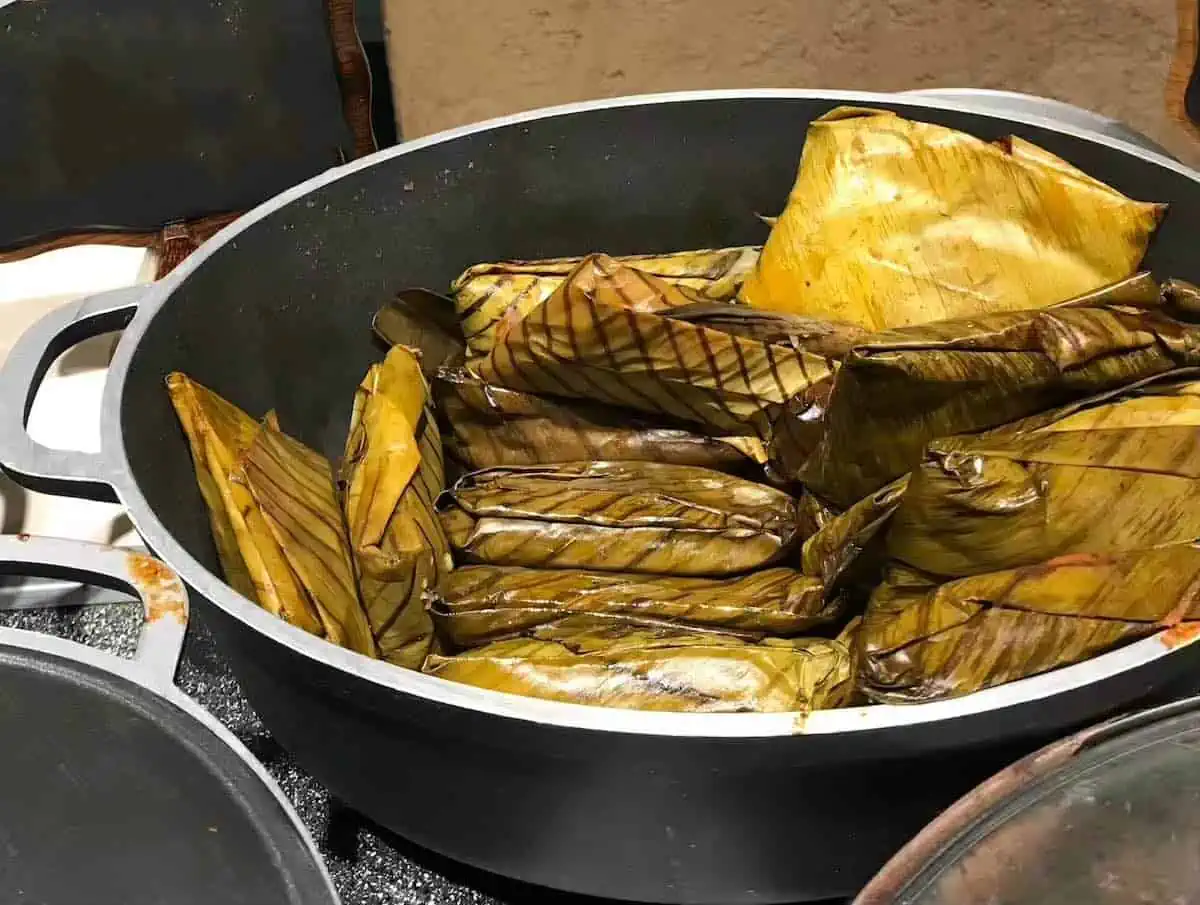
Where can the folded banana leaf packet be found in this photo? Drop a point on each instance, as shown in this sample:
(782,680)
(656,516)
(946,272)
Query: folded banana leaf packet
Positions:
(1119,476)
(273,508)
(657,668)
(900,389)
(920,642)
(392,475)
(424,321)
(487,293)
(491,426)
(893,222)
(477,604)
(850,547)
(593,340)
(620,517)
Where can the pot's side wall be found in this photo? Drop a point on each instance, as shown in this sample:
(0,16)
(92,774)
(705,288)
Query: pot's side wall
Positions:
(456,61)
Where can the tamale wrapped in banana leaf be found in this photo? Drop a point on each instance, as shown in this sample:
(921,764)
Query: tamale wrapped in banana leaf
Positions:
(274,514)
(660,668)
(620,517)
(424,321)
(850,546)
(1113,477)
(893,222)
(920,641)
(493,426)
(477,604)
(588,341)
(393,474)
(487,293)
(900,389)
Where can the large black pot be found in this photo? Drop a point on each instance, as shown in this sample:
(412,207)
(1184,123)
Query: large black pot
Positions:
(662,807)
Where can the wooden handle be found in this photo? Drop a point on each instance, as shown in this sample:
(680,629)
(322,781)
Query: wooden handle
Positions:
(1183,73)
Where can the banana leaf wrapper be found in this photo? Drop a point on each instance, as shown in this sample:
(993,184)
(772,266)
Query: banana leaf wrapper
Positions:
(901,389)
(424,321)
(893,222)
(828,339)
(392,476)
(490,426)
(850,549)
(657,668)
(261,487)
(1104,479)
(477,604)
(620,517)
(920,642)
(488,293)
(589,340)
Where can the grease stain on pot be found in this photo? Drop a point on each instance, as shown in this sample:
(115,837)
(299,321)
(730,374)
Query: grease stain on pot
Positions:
(160,588)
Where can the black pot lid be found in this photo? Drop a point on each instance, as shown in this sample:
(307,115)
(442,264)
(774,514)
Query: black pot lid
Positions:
(117,788)
(1109,816)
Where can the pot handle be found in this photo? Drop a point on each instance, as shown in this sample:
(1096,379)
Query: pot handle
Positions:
(163,595)
(56,471)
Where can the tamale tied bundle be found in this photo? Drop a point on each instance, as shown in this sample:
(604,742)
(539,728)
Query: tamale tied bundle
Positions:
(898,390)
(273,507)
(663,668)
(893,222)
(620,517)
(493,426)
(486,294)
(590,341)
(393,474)
(476,604)
(922,641)
(1014,498)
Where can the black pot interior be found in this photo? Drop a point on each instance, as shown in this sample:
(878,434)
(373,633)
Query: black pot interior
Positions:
(279,317)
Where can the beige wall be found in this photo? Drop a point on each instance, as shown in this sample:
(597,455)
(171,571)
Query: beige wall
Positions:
(455,61)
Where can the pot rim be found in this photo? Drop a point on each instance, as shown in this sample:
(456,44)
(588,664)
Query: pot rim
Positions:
(551,713)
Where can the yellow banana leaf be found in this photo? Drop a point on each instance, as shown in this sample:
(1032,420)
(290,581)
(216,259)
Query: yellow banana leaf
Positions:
(828,339)
(921,641)
(593,340)
(898,390)
(478,604)
(488,293)
(240,466)
(657,668)
(620,517)
(1119,476)
(294,489)
(493,426)
(392,475)
(893,222)
(849,546)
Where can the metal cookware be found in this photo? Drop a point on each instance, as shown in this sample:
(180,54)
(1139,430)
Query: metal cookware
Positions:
(1107,815)
(115,787)
(274,312)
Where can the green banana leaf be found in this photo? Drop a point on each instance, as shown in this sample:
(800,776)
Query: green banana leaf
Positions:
(488,293)
(659,668)
(392,475)
(922,641)
(1120,474)
(595,339)
(620,517)
(898,390)
(477,604)
(424,321)
(491,426)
